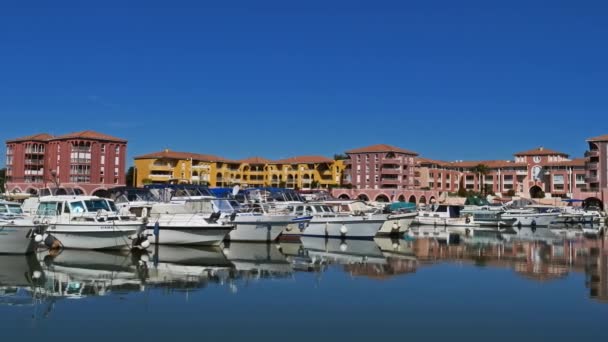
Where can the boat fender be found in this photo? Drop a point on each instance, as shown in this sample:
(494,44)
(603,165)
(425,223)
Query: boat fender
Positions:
(343,230)
(51,242)
(467,231)
(395,225)
(467,220)
(144,212)
(533,224)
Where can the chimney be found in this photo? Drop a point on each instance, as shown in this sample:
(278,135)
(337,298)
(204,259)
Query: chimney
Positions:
(541,148)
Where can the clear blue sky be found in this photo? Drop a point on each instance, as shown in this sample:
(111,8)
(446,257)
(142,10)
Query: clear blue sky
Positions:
(448,79)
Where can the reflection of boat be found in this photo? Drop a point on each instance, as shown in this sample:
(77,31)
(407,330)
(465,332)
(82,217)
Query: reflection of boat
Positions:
(18,275)
(533,234)
(257,257)
(321,250)
(396,248)
(193,266)
(437,233)
(80,273)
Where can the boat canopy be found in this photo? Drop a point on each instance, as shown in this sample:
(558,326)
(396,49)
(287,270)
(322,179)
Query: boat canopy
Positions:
(400,206)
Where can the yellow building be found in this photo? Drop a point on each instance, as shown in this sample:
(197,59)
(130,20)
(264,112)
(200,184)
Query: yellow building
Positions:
(302,172)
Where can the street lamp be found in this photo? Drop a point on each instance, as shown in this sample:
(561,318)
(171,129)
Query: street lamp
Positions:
(55,180)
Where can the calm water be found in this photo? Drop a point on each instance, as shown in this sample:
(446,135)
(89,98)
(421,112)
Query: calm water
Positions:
(527,286)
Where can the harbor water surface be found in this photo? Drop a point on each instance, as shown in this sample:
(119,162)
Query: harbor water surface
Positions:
(537,287)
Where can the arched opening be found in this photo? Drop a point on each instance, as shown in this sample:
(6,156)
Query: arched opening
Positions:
(432,199)
(401,198)
(344,197)
(536,192)
(593,202)
(101,193)
(412,199)
(382,198)
(422,200)
(363,197)
(61,191)
(32,191)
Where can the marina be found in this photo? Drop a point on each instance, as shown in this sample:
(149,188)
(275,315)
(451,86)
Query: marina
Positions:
(532,275)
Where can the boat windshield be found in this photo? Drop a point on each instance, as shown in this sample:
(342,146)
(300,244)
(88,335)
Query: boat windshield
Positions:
(97,204)
(11,209)
(225,206)
(48,208)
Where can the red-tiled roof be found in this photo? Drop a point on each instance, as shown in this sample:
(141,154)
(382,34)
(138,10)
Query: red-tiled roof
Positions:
(381,148)
(573,162)
(168,154)
(600,138)
(89,135)
(254,160)
(492,164)
(35,137)
(421,160)
(304,160)
(541,151)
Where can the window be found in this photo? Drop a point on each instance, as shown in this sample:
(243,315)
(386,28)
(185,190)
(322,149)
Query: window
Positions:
(536,159)
(103,148)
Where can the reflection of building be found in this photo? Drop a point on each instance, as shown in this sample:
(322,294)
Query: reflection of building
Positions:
(535,260)
(87,160)
(182,167)
(597,275)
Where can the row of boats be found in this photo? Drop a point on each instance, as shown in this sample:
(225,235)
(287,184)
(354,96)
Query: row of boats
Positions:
(196,215)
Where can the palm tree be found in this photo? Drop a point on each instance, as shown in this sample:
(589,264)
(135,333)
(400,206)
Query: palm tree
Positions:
(481,170)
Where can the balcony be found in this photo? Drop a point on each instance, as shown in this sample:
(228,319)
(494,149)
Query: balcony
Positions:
(390,181)
(521,172)
(163,177)
(390,171)
(34,162)
(592,179)
(592,165)
(592,153)
(159,167)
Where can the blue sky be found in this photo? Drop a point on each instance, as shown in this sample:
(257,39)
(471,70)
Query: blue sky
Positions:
(448,79)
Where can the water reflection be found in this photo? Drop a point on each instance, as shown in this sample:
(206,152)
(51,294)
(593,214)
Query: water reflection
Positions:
(541,254)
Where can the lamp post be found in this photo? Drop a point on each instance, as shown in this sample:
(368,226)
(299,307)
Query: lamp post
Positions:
(55,180)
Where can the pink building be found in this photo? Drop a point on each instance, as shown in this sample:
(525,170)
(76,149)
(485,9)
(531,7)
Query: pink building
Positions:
(383,172)
(86,160)
(530,174)
(380,167)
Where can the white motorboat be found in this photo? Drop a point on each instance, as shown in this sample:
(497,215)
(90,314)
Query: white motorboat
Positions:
(532,215)
(18,235)
(88,222)
(488,216)
(171,223)
(177,224)
(395,223)
(327,223)
(444,215)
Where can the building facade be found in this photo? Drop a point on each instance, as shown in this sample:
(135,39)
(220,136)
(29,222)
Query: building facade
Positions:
(86,160)
(303,172)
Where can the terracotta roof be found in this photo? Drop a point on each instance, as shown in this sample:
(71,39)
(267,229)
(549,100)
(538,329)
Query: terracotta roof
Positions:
(492,164)
(600,138)
(573,162)
(89,135)
(381,148)
(35,137)
(304,160)
(541,151)
(168,154)
(421,160)
(255,160)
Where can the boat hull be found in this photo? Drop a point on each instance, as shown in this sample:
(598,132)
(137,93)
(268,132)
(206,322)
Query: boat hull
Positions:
(258,228)
(189,235)
(397,223)
(538,220)
(16,239)
(94,236)
(355,227)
